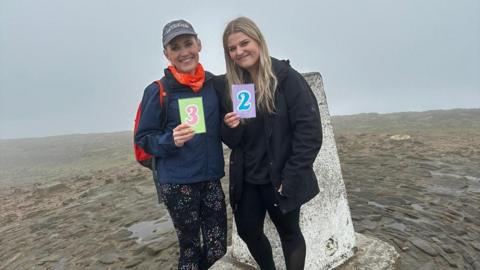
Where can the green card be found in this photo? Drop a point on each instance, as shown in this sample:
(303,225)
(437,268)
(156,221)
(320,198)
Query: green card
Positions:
(191,112)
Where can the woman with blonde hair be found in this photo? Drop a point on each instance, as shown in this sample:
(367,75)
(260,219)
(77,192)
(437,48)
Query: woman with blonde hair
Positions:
(273,153)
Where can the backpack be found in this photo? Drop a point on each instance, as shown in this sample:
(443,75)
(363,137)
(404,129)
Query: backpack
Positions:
(141,156)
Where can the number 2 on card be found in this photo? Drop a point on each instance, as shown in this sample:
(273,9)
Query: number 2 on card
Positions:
(244,97)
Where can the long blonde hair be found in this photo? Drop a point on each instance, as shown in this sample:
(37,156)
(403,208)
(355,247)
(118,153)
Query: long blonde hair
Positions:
(266,81)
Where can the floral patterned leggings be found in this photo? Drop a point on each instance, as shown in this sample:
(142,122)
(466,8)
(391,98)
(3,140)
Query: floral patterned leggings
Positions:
(198,209)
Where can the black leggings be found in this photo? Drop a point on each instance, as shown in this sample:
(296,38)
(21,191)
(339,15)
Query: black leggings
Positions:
(249,218)
(196,209)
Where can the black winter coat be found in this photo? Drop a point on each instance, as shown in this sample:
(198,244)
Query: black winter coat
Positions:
(293,138)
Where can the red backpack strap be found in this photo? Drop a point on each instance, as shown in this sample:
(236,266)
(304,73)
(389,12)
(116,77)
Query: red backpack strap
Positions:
(162,93)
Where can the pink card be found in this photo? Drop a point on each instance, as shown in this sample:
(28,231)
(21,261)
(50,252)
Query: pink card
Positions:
(243,99)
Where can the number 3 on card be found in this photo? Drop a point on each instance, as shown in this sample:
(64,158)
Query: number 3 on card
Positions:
(191,113)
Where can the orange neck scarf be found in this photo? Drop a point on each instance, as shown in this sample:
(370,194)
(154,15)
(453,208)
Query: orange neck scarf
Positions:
(194,81)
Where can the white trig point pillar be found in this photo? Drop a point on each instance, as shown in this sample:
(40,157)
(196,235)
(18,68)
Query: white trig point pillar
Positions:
(325,220)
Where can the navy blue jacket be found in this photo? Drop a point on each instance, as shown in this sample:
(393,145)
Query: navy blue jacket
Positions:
(201,158)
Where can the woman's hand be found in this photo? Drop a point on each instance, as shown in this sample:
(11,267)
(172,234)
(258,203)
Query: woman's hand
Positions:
(231,120)
(182,134)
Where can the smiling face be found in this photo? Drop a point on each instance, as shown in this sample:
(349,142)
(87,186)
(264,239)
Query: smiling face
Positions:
(244,51)
(183,53)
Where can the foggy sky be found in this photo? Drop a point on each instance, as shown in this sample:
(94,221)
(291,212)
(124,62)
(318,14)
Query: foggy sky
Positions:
(81,66)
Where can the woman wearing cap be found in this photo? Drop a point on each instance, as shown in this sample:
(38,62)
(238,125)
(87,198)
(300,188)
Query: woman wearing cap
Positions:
(273,153)
(188,164)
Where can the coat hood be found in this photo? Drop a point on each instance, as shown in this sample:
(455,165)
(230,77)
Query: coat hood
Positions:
(280,68)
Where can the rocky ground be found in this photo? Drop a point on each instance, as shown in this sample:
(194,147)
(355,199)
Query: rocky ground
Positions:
(83,223)
(418,191)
